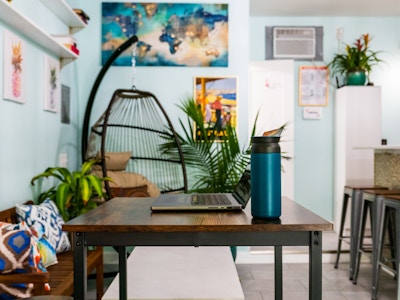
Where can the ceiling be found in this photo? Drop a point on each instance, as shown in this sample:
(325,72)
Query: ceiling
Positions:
(325,8)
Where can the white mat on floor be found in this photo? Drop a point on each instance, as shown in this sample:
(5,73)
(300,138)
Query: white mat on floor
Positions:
(180,273)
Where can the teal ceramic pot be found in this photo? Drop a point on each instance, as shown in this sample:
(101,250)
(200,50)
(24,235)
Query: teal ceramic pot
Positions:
(356,78)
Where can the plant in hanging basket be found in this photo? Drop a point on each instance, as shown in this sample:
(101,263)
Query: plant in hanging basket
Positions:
(357,58)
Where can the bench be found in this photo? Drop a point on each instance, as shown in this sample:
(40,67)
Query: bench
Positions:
(61,275)
(179,273)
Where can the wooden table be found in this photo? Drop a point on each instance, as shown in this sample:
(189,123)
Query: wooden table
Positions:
(123,222)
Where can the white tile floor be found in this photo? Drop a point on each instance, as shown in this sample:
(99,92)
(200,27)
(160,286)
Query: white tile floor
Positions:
(257,278)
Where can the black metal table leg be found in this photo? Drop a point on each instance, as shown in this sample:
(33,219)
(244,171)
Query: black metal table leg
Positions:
(80,267)
(278,273)
(315,266)
(123,278)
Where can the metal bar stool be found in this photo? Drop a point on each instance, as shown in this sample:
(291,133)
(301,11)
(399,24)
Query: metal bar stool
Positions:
(387,208)
(370,200)
(353,191)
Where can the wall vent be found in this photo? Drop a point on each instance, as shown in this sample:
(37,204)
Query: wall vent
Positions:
(294,42)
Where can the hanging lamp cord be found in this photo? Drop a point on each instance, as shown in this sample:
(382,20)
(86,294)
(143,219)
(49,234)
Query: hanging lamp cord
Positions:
(134,49)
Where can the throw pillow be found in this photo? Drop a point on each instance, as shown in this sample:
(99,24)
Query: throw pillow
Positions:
(37,230)
(139,191)
(49,217)
(115,161)
(15,248)
(18,254)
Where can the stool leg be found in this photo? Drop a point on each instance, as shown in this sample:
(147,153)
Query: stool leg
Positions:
(356,211)
(397,247)
(392,237)
(342,221)
(360,239)
(378,230)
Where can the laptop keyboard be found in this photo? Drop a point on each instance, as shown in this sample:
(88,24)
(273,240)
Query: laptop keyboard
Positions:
(210,199)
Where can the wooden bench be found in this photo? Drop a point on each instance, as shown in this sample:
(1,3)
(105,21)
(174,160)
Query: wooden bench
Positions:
(61,275)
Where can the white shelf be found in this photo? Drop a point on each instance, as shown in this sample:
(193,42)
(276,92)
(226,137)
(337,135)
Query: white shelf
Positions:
(66,14)
(30,30)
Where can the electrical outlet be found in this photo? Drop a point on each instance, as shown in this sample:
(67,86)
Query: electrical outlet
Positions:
(63,160)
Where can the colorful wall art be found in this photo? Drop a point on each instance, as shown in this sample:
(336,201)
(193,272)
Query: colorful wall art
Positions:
(216,96)
(170,34)
(14,68)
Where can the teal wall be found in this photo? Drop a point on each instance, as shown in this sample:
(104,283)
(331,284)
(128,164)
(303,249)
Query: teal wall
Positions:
(33,139)
(313,155)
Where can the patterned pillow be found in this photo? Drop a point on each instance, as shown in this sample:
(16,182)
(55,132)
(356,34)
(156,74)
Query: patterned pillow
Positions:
(18,254)
(49,217)
(15,249)
(46,250)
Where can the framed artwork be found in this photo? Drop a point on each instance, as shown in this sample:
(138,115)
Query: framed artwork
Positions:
(52,88)
(65,104)
(14,68)
(170,34)
(217,98)
(313,86)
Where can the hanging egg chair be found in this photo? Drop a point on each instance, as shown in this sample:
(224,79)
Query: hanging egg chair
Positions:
(134,126)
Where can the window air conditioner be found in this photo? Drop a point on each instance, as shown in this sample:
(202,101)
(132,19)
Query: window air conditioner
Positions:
(294,42)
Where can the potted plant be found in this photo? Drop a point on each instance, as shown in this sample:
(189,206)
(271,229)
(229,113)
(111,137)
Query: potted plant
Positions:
(356,62)
(75,192)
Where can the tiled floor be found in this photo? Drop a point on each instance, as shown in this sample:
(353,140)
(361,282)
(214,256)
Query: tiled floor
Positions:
(258,278)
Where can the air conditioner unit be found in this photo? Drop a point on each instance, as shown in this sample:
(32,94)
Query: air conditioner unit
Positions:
(294,42)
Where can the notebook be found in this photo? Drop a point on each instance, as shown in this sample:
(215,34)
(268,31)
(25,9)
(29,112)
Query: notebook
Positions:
(213,201)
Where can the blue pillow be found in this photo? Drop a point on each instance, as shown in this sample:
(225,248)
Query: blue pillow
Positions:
(49,217)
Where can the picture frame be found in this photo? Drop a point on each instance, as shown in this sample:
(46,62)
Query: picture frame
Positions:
(65,104)
(313,85)
(217,98)
(14,70)
(52,86)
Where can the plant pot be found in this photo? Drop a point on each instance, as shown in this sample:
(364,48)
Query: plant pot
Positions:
(356,78)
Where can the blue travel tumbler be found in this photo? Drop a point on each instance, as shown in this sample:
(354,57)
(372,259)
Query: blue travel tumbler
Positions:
(265,177)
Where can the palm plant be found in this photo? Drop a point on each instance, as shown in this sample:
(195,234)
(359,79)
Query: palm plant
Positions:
(216,163)
(75,192)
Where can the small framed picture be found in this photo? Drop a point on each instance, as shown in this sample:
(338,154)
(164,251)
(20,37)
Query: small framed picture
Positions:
(217,98)
(52,88)
(14,80)
(313,86)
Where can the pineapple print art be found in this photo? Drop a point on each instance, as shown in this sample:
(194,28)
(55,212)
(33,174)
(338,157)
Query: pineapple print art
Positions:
(16,60)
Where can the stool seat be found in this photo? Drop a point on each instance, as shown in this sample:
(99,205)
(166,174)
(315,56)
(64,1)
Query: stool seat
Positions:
(354,190)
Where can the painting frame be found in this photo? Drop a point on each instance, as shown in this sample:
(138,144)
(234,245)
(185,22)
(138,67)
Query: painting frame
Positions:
(170,34)
(217,98)
(14,70)
(52,84)
(313,85)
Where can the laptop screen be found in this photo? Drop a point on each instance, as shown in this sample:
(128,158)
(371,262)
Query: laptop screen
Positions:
(242,192)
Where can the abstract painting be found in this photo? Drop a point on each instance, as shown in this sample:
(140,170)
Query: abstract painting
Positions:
(170,34)
(52,88)
(14,68)
(217,98)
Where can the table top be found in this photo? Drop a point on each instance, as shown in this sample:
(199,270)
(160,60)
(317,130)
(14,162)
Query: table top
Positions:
(135,215)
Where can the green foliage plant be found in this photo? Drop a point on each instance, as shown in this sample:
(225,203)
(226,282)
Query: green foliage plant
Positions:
(356,57)
(216,163)
(75,192)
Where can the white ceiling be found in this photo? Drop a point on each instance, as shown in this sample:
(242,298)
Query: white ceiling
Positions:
(324,7)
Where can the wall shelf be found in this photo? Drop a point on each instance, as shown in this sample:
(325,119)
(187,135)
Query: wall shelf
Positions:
(31,31)
(66,14)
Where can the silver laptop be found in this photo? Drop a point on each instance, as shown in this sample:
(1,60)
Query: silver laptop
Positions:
(214,201)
